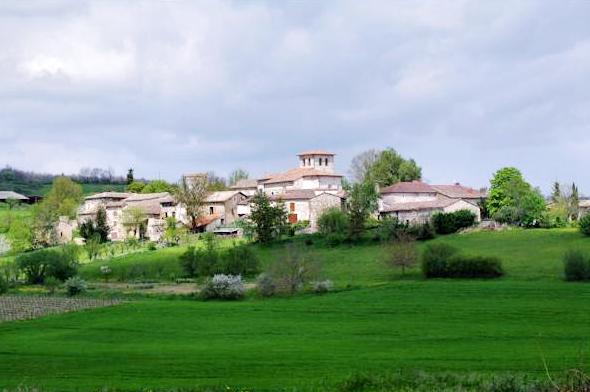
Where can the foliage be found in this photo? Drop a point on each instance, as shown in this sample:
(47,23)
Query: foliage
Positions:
(158,186)
(401,254)
(135,221)
(361,203)
(220,286)
(58,263)
(333,221)
(576,266)
(236,260)
(291,273)
(75,286)
(444,261)
(192,194)
(129,179)
(451,222)
(584,224)
(173,232)
(421,231)
(135,187)
(3,285)
(512,200)
(90,229)
(63,198)
(215,183)
(362,163)
(390,167)
(20,235)
(237,175)
(106,272)
(269,219)
(51,284)
(92,247)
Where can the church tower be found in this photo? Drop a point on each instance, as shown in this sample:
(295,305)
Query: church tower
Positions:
(318,160)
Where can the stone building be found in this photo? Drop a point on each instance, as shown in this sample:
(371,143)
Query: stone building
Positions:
(416,201)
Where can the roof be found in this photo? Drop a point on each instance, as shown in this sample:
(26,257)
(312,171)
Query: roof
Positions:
(296,194)
(421,205)
(221,196)
(246,183)
(458,191)
(315,152)
(207,219)
(409,187)
(5,195)
(148,207)
(584,203)
(109,195)
(295,174)
(136,197)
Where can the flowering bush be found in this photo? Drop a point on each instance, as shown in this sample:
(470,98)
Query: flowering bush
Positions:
(224,287)
(322,286)
(75,286)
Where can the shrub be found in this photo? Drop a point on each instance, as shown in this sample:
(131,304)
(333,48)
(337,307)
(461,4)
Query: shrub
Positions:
(152,246)
(106,272)
(3,285)
(266,285)
(402,254)
(239,260)
(335,239)
(435,259)
(444,261)
(576,266)
(291,273)
(221,286)
(333,221)
(75,286)
(509,215)
(421,232)
(51,284)
(391,229)
(61,264)
(584,224)
(451,222)
(322,286)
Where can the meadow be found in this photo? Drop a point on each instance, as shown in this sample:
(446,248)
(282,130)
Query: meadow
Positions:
(374,322)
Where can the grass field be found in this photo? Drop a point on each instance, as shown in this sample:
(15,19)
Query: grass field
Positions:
(381,324)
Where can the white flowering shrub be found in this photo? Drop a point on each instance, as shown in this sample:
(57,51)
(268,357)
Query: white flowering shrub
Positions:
(322,286)
(224,287)
(4,245)
(75,286)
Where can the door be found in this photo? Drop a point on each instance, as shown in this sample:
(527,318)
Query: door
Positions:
(292,218)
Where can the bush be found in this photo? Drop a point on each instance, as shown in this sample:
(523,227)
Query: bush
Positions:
(392,229)
(60,264)
(291,273)
(421,232)
(322,286)
(238,260)
(335,239)
(509,215)
(576,266)
(75,286)
(266,285)
(333,221)
(435,259)
(3,285)
(152,246)
(451,222)
(221,286)
(584,224)
(51,284)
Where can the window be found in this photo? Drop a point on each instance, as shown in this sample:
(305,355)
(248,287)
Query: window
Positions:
(292,207)
(321,161)
(211,211)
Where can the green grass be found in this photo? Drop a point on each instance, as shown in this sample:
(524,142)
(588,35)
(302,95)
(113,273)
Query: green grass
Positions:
(466,326)
(382,325)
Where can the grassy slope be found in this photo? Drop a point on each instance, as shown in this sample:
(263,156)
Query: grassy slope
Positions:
(503,325)
(435,326)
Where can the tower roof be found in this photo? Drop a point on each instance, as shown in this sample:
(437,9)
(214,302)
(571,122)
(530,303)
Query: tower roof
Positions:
(315,152)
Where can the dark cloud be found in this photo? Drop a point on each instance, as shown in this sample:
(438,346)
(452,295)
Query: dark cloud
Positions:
(464,87)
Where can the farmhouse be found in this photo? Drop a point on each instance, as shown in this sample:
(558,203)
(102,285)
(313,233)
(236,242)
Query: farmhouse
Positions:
(583,207)
(416,201)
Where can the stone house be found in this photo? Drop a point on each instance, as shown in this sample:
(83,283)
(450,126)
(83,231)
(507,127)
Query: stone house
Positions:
(307,205)
(224,205)
(583,207)
(416,201)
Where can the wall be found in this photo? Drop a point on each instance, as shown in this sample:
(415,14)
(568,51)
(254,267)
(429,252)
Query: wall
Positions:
(463,205)
(392,198)
(319,204)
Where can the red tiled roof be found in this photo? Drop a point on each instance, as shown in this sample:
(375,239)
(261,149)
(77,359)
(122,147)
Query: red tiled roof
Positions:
(295,174)
(409,187)
(207,219)
(458,191)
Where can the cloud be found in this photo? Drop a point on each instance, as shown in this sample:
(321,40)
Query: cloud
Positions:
(464,87)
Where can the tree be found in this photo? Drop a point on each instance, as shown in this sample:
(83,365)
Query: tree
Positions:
(130,176)
(172,233)
(64,197)
(102,229)
(215,183)
(361,203)
(269,219)
(12,203)
(192,194)
(135,187)
(158,186)
(362,164)
(390,168)
(402,254)
(236,176)
(574,202)
(135,220)
(19,235)
(295,269)
(556,192)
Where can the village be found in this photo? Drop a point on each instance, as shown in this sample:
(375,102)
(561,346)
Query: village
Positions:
(306,191)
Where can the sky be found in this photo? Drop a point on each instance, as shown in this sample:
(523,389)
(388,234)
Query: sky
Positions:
(463,87)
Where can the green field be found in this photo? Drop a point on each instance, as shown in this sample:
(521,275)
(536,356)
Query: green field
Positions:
(374,323)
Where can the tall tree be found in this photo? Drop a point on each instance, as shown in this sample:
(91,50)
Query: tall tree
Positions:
(135,220)
(191,193)
(269,219)
(102,228)
(390,168)
(361,203)
(556,192)
(574,202)
(237,175)
(64,197)
(215,182)
(158,186)
(362,164)
(130,178)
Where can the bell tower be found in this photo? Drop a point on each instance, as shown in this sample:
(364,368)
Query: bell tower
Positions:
(318,160)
